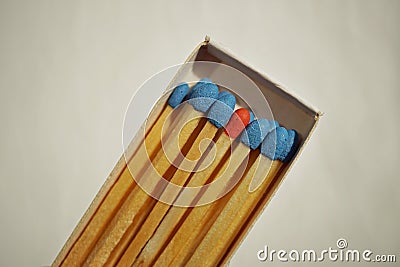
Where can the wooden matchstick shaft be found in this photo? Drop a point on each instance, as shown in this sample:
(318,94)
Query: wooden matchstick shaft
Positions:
(234,215)
(165,244)
(159,211)
(201,173)
(186,246)
(136,242)
(138,204)
(114,198)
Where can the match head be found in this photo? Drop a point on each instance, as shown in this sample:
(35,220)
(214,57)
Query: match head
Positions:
(251,117)
(203,96)
(292,144)
(256,132)
(222,109)
(178,95)
(274,145)
(198,84)
(239,120)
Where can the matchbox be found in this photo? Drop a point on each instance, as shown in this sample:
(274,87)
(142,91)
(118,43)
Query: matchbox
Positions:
(290,111)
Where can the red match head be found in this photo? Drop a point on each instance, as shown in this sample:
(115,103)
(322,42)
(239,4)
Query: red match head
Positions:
(237,123)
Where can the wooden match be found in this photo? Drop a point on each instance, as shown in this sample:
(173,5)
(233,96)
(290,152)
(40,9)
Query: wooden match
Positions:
(132,227)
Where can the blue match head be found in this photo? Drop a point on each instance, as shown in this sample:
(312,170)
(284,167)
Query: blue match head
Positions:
(178,95)
(274,145)
(251,117)
(256,132)
(203,96)
(222,109)
(292,144)
(199,83)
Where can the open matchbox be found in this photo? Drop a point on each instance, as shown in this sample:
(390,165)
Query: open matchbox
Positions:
(290,111)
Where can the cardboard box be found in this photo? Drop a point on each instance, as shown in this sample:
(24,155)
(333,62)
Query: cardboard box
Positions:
(290,111)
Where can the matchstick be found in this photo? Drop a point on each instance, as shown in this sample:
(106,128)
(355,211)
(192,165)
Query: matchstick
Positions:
(207,132)
(223,109)
(125,183)
(138,204)
(241,205)
(236,124)
(176,255)
(162,247)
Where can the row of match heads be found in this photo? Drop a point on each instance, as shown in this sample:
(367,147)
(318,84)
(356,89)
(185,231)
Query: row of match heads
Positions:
(275,141)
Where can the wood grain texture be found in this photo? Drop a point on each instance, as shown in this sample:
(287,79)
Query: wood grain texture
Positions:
(233,216)
(137,239)
(175,213)
(122,183)
(138,204)
(173,235)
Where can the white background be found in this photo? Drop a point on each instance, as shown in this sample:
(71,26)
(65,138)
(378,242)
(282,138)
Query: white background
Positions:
(69,69)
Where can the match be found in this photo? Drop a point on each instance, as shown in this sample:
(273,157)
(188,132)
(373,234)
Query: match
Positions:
(276,149)
(236,124)
(125,183)
(138,204)
(162,248)
(222,110)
